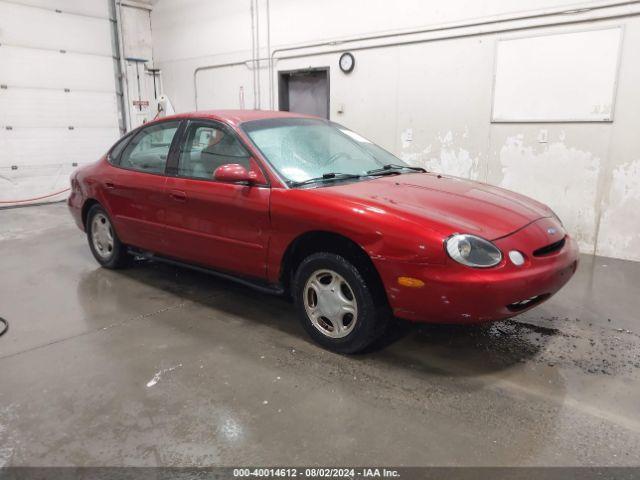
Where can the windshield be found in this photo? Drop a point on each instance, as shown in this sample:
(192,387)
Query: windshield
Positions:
(301,149)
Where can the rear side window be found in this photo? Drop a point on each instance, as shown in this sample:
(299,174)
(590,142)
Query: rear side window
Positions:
(149,149)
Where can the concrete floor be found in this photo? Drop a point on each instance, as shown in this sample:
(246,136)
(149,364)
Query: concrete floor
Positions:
(162,366)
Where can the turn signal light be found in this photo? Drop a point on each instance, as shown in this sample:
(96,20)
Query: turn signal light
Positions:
(410,282)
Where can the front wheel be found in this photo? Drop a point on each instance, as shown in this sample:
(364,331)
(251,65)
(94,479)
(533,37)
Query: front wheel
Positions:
(336,305)
(103,241)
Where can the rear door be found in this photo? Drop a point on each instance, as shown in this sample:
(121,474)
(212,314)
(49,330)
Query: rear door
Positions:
(135,190)
(220,225)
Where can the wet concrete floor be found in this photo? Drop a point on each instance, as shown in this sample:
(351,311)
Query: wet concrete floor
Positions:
(158,365)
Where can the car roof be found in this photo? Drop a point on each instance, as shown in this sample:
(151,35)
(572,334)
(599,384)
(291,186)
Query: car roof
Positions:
(236,117)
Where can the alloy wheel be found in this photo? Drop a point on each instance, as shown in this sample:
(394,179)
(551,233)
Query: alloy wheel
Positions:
(330,303)
(102,235)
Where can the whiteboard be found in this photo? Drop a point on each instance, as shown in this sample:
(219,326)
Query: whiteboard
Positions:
(555,78)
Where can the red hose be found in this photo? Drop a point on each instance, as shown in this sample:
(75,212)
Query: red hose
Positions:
(36,198)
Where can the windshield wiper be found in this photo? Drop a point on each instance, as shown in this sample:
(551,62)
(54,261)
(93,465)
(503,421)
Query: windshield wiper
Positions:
(392,168)
(325,177)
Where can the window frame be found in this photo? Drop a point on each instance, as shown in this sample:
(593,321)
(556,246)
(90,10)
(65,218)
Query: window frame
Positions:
(139,131)
(173,168)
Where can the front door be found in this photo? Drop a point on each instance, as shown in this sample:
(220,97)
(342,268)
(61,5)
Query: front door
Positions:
(219,225)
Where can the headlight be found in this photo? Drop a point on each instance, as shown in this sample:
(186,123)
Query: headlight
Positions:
(473,251)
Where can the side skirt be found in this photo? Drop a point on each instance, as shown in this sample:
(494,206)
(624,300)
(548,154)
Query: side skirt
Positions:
(261,286)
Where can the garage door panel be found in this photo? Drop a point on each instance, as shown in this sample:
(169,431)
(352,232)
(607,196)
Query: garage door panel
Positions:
(26,147)
(50,108)
(83,7)
(33,182)
(45,158)
(54,30)
(48,69)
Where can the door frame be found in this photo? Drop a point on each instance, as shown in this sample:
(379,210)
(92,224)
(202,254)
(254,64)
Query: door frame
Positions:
(283,86)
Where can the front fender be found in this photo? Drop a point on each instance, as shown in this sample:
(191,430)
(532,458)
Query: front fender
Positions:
(382,236)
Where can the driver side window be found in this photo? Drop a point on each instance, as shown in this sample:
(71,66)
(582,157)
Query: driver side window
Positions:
(208,147)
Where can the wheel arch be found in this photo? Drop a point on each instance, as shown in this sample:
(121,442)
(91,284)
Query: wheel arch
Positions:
(326,241)
(86,206)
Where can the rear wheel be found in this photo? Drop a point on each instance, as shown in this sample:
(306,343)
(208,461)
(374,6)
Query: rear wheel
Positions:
(103,240)
(336,305)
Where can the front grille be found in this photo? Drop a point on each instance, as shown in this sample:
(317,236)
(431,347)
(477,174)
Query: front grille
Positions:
(549,249)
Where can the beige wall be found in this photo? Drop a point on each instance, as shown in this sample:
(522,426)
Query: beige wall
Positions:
(429,101)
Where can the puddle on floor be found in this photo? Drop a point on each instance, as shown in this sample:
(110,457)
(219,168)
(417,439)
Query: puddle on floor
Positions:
(552,341)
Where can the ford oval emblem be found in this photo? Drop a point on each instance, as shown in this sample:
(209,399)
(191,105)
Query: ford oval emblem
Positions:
(551,231)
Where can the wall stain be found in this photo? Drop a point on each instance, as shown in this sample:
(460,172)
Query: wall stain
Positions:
(565,178)
(448,158)
(618,236)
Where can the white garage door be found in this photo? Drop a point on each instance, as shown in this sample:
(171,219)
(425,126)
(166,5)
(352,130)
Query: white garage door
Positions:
(58,102)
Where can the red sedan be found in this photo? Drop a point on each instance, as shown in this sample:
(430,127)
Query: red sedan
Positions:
(294,204)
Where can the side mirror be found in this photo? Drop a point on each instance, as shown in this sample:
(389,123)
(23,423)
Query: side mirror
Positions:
(234,173)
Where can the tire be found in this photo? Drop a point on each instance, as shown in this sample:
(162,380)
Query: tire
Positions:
(336,305)
(104,243)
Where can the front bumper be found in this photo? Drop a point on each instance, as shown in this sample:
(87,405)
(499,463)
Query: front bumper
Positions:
(454,293)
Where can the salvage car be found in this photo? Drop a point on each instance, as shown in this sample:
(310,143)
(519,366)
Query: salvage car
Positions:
(298,205)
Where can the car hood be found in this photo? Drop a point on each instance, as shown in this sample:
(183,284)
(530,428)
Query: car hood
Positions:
(447,204)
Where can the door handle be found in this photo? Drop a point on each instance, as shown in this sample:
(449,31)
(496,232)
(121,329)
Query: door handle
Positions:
(178,195)
(109,184)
